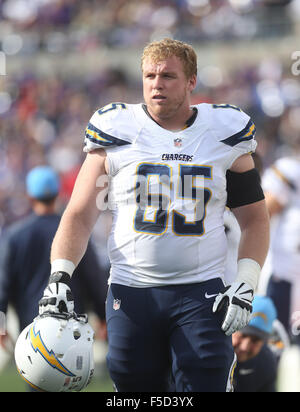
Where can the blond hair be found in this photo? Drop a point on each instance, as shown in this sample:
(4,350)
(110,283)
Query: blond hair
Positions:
(160,50)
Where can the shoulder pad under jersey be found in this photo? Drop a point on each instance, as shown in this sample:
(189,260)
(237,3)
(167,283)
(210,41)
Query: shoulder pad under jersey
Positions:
(232,126)
(111,126)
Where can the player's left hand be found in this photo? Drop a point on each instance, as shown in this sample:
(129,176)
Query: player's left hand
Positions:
(57,298)
(238,297)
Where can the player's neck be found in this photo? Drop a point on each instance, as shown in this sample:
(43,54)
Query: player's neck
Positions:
(174,124)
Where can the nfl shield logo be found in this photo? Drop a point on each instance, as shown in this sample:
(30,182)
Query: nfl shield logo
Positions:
(177,142)
(117,304)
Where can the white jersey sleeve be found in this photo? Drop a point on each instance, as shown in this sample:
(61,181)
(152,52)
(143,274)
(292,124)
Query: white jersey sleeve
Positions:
(235,129)
(108,128)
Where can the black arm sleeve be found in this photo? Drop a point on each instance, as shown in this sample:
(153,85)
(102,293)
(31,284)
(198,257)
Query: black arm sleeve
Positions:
(243,188)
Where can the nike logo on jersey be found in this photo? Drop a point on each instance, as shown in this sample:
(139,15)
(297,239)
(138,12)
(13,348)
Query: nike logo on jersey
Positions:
(210,296)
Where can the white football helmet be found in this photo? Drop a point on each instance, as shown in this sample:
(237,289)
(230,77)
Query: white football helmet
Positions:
(55,353)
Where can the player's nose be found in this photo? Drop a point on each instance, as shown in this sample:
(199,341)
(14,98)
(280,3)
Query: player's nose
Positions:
(157,83)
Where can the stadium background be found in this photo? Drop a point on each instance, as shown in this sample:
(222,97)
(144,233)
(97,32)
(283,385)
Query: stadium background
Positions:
(63,59)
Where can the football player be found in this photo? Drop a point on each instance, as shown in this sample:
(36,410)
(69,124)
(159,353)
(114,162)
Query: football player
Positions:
(281,183)
(168,169)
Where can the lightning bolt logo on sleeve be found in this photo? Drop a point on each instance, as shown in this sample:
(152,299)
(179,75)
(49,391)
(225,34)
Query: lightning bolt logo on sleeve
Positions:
(97,136)
(39,346)
(248,133)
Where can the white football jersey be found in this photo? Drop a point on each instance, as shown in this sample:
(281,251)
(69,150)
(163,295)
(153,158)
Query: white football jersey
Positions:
(282,180)
(167,191)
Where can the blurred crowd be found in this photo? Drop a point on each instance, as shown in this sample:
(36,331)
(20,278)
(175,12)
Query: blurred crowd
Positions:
(57,26)
(42,118)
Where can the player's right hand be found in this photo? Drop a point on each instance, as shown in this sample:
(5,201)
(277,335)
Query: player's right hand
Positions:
(57,298)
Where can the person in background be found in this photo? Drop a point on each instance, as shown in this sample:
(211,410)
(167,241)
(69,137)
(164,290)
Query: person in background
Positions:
(256,369)
(281,184)
(24,257)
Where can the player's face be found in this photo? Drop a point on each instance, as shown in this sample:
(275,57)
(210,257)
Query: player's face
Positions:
(166,89)
(245,346)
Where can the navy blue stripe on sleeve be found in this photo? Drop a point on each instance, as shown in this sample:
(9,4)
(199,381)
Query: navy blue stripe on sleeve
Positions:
(247,133)
(101,138)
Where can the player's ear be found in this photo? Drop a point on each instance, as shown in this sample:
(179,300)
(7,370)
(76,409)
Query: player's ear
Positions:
(192,82)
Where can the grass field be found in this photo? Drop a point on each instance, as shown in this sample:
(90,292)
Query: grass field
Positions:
(10,381)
